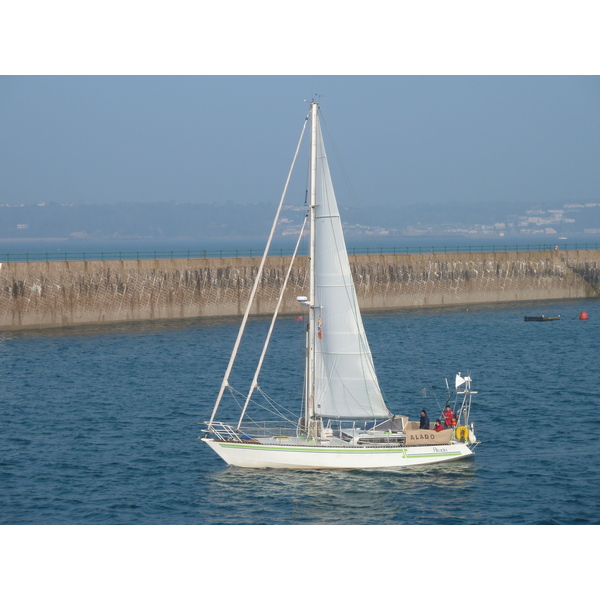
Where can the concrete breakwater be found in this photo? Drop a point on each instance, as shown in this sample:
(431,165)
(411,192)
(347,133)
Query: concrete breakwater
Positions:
(56,294)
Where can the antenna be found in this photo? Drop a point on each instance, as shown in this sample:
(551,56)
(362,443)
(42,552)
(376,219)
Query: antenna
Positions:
(319,96)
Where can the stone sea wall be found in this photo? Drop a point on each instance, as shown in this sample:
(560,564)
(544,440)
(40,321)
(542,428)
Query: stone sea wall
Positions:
(57,294)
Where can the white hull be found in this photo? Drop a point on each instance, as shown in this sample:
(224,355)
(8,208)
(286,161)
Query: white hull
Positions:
(277,456)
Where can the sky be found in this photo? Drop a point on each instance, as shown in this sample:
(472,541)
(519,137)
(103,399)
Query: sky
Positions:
(392,140)
(431,102)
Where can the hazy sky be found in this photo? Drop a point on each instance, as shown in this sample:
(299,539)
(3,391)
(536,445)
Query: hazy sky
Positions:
(400,139)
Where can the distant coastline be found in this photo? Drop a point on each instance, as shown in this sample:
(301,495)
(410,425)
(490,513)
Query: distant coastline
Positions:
(31,240)
(60,248)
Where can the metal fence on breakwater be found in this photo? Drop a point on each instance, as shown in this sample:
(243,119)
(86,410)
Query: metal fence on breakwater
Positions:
(9,257)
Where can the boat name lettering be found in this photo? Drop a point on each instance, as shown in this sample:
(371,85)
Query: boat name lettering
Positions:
(421,436)
(440,450)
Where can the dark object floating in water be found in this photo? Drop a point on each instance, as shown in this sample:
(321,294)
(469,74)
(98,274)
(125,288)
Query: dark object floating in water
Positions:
(543,318)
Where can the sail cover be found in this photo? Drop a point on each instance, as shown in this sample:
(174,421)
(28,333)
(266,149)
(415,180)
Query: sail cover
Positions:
(345,382)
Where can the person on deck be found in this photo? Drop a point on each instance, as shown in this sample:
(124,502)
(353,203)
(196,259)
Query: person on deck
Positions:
(448,416)
(438,426)
(424,422)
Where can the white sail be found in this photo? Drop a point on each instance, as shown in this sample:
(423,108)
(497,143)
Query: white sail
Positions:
(345,385)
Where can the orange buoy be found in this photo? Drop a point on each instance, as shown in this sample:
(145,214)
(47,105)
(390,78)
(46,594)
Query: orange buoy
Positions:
(583,316)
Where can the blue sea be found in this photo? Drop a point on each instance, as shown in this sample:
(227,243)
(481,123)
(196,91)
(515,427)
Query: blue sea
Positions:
(99,426)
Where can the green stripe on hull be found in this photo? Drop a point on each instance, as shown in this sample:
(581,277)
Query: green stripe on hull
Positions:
(337,450)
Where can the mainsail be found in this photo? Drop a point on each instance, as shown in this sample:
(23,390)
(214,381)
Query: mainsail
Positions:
(345,383)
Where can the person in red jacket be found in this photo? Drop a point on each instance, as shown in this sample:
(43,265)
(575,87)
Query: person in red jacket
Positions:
(448,417)
(439,426)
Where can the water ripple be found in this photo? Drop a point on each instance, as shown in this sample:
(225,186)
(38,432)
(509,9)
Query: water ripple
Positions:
(100,425)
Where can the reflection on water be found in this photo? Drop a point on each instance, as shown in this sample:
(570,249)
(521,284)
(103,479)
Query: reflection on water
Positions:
(382,496)
(127,328)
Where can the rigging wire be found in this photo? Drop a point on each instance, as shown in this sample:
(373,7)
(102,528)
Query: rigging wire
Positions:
(421,364)
(254,384)
(275,408)
(356,204)
(256,282)
(279,408)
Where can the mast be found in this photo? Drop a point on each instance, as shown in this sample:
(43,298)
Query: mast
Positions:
(311,265)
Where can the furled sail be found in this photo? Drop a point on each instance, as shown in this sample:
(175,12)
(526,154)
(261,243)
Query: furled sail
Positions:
(346,385)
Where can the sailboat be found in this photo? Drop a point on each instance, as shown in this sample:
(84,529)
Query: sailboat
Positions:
(344,422)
